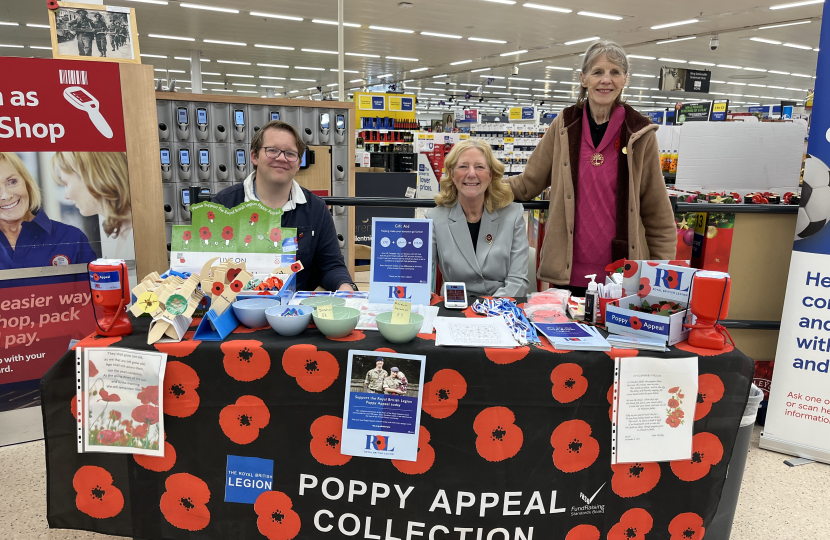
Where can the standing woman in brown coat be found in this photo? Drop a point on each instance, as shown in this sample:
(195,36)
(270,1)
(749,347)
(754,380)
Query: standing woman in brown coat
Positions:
(608,199)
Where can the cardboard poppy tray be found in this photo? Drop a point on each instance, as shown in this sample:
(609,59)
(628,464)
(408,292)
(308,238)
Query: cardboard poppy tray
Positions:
(253,429)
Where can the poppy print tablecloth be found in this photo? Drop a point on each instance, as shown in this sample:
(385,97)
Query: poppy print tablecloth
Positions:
(514,444)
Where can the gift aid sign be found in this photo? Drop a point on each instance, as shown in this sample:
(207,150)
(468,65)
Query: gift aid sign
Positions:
(60,105)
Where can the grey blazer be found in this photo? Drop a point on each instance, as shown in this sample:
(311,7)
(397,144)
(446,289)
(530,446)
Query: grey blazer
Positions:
(495,268)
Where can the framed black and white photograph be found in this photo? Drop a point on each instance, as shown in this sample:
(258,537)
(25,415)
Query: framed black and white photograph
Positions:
(94,32)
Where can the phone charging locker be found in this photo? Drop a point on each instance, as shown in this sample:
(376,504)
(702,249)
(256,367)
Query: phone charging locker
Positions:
(340,171)
(167,156)
(309,127)
(339,127)
(203,162)
(259,116)
(240,126)
(222,155)
(184,162)
(219,186)
(325,125)
(164,114)
(168,192)
(183,199)
(221,119)
(202,122)
(240,163)
(291,115)
(183,121)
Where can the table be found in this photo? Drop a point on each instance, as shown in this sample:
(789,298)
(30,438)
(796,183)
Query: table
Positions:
(514,444)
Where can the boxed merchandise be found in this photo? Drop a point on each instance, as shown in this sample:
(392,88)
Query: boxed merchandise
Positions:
(631,272)
(713,240)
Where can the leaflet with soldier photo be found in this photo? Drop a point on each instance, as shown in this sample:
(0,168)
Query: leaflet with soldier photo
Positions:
(382,408)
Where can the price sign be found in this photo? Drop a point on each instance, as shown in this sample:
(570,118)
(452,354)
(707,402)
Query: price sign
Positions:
(401,311)
(325,312)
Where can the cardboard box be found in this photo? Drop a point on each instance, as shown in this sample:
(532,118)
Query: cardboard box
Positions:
(713,241)
(631,272)
(625,321)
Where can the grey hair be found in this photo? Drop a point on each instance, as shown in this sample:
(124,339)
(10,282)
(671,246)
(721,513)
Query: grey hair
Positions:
(614,53)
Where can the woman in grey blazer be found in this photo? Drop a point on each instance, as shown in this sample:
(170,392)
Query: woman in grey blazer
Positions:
(479,233)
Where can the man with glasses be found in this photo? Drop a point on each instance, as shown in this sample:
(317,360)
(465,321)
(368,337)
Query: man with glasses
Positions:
(276,154)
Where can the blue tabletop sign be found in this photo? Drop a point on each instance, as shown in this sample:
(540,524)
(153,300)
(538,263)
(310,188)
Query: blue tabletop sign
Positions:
(401,260)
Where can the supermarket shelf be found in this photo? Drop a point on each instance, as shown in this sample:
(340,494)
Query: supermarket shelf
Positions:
(739,208)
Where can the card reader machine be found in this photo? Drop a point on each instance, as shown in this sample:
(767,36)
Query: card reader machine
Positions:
(166,173)
(184,164)
(239,125)
(241,164)
(340,129)
(204,164)
(201,124)
(182,124)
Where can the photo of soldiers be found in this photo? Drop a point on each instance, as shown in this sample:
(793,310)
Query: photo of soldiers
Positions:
(84,30)
(100,26)
(395,383)
(375,378)
(77,29)
(376,374)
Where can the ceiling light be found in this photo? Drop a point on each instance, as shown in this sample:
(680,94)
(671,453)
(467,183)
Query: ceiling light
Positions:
(479,70)
(547,8)
(600,15)
(737,83)
(216,89)
(275,16)
(675,40)
(642,57)
(514,52)
(388,29)
(545,81)
(304,80)
(320,51)
(402,58)
(678,23)
(208,8)
(243,84)
(530,62)
(776,87)
(638,87)
(720,82)
(344,71)
(797,4)
(162,36)
(643,75)
(273,65)
(779,72)
(565,91)
(234,62)
(240,75)
(487,40)
(675,60)
(436,34)
(153,55)
(795,89)
(495,86)
(269,77)
(220,42)
(247,92)
(259,45)
(735,95)
(363,54)
(322,21)
(801,75)
(309,68)
(356,80)
(212,82)
(584,40)
(439,76)
(40,47)
(755,69)
(460,62)
(419,69)
(213,74)
(509,2)
(797,46)
(570,82)
(757,85)
(386,76)
(185,58)
(492,76)
(717,93)
(30,25)
(269,86)
(332,84)
(785,24)
(697,63)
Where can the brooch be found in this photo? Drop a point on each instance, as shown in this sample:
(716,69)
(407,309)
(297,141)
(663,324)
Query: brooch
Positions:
(489,238)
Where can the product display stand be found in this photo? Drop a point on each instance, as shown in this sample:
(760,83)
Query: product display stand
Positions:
(216,327)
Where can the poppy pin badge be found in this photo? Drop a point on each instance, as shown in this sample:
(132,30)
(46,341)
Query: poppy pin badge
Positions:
(617,145)
(489,238)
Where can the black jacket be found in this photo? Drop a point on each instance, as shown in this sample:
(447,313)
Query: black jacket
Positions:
(319,248)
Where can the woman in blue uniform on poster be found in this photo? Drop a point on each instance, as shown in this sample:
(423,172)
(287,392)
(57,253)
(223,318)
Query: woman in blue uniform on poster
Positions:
(30,238)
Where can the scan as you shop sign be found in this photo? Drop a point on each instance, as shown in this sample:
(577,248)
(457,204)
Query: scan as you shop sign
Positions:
(798,417)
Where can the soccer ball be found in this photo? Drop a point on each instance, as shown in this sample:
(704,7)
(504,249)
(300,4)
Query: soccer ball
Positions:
(814,210)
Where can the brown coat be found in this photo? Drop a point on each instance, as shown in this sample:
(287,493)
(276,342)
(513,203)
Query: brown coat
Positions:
(649,230)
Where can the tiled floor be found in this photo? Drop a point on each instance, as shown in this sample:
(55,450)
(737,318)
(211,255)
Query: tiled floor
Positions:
(777,502)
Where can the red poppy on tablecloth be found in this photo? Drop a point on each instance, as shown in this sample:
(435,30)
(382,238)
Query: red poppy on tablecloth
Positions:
(356,335)
(573,447)
(314,370)
(610,397)
(180,349)
(435,299)
(195,321)
(146,414)
(688,526)
(568,383)
(184,502)
(429,337)
(707,450)
(684,346)
(506,356)
(103,395)
(326,432)
(709,390)
(633,479)
(158,464)
(633,525)
(498,437)
(241,421)
(583,532)
(276,520)
(545,345)
(180,383)
(94,340)
(245,359)
(92,371)
(622,353)
(149,394)
(386,350)
(242,329)
(442,393)
(96,496)
(426,456)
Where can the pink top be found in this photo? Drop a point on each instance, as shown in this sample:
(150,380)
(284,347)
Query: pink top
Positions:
(595,220)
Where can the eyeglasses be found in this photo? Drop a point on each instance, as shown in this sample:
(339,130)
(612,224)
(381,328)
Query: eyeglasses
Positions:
(274,153)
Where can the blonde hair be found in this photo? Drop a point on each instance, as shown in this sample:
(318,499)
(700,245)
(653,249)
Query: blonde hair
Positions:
(498,194)
(105,176)
(614,53)
(31,187)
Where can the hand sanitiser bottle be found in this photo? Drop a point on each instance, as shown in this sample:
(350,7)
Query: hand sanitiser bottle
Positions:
(591,299)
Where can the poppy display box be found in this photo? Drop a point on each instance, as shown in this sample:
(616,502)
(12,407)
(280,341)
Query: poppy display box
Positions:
(285,294)
(632,270)
(628,322)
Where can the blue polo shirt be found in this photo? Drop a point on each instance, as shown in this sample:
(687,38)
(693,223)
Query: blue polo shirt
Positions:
(43,242)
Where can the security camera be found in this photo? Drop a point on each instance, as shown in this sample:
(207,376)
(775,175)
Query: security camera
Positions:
(515,70)
(714,42)
(319,88)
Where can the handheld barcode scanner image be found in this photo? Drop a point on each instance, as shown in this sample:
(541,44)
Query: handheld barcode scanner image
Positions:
(83,100)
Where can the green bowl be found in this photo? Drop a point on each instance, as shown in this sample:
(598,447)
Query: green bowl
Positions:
(399,333)
(344,321)
(315,301)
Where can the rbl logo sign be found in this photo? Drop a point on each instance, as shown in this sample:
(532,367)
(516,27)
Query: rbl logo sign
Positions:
(669,279)
(398,292)
(379,442)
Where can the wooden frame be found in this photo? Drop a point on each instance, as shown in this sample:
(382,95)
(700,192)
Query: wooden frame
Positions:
(53,30)
(347,105)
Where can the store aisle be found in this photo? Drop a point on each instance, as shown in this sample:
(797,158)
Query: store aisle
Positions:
(777,502)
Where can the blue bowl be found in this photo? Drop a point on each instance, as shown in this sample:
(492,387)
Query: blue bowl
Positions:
(289,326)
(251,312)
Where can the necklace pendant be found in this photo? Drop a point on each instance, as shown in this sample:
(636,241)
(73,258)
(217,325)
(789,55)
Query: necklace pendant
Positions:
(597,159)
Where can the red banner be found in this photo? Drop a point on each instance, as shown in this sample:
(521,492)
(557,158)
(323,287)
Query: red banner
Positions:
(60,105)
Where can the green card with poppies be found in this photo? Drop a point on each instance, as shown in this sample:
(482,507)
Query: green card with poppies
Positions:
(250,227)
